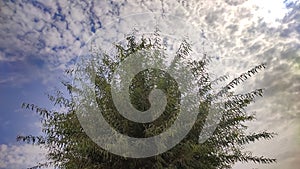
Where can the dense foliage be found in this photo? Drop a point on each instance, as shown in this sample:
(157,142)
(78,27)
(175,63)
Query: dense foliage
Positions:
(70,147)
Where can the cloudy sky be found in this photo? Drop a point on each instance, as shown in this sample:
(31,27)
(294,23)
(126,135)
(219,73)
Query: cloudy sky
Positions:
(40,39)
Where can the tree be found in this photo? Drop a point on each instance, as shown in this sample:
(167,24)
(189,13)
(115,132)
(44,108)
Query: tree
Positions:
(70,147)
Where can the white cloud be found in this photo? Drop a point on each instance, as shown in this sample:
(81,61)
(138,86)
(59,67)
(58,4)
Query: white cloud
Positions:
(270,13)
(4,58)
(20,156)
(242,40)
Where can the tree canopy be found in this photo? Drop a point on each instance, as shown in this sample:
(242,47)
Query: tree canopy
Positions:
(70,147)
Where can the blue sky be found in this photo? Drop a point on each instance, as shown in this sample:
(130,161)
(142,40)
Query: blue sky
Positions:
(40,39)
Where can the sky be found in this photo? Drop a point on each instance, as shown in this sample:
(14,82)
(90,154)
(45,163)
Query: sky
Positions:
(40,39)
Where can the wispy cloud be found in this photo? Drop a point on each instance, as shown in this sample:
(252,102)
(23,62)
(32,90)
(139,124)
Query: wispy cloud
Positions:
(244,32)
